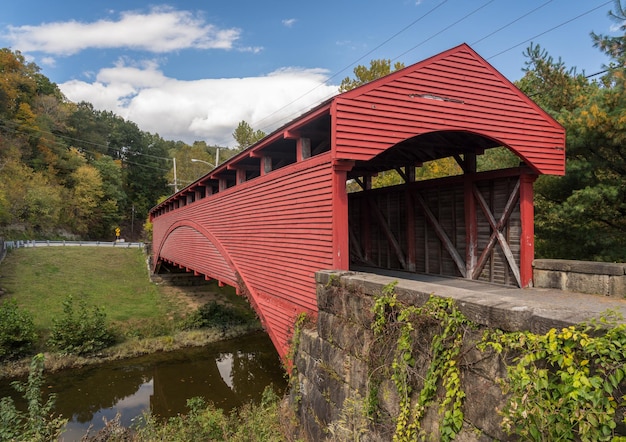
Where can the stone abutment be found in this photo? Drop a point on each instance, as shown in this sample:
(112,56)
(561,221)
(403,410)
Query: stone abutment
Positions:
(344,387)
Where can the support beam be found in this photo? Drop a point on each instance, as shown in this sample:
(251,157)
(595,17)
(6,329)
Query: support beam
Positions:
(411,257)
(496,234)
(384,225)
(441,234)
(341,234)
(471,228)
(241,175)
(266,164)
(527,236)
(303,149)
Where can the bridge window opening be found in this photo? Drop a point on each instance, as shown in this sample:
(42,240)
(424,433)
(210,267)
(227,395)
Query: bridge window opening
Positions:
(200,192)
(251,174)
(318,133)
(280,154)
(230,181)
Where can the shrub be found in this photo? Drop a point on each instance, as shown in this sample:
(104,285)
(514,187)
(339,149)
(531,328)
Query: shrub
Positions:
(81,333)
(38,423)
(214,314)
(251,423)
(17,330)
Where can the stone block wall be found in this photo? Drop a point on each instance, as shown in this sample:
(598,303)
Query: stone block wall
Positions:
(599,278)
(335,371)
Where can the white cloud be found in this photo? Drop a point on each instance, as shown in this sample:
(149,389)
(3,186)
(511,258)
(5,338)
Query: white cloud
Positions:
(48,61)
(161,30)
(206,109)
(289,22)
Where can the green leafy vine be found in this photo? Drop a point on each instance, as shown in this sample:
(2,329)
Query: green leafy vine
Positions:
(289,361)
(564,385)
(402,321)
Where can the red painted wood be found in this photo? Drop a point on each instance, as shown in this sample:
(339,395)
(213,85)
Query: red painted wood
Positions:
(271,234)
(382,113)
(527,237)
(272,230)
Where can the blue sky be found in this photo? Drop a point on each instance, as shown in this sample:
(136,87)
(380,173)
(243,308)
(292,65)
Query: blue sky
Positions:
(191,70)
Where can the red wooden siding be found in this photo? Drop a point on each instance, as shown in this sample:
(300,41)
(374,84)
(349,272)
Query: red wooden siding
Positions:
(267,219)
(275,230)
(383,113)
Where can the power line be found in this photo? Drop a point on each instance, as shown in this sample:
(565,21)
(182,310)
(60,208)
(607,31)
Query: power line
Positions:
(409,50)
(552,29)
(413,23)
(511,22)
(17,130)
(445,29)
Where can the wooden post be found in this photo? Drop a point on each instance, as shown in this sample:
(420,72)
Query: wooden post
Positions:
(471,222)
(266,164)
(527,236)
(341,232)
(410,229)
(241,176)
(303,148)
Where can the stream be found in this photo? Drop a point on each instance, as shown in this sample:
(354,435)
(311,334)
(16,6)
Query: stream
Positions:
(228,373)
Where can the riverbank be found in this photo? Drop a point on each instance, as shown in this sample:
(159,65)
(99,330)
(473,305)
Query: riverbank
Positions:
(135,347)
(146,316)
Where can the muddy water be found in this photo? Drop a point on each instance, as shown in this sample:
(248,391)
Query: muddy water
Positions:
(228,373)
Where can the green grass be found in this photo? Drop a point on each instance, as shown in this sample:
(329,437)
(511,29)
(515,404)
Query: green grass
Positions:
(116,280)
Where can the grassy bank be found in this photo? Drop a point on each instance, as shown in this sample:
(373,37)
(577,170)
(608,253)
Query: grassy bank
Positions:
(145,317)
(115,279)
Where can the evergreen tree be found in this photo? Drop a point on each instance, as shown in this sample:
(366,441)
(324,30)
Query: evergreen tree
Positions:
(582,215)
(246,136)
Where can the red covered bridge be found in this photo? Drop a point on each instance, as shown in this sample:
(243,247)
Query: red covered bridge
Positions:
(269,218)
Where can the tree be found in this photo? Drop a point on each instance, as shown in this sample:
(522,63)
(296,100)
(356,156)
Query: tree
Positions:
(615,47)
(363,75)
(246,136)
(17,81)
(84,199)
(583,214)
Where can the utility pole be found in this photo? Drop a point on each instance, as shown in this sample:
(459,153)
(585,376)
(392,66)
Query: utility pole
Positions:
(175,178)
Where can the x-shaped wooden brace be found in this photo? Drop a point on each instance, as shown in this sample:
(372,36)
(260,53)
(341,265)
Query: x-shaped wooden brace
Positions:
(496,233)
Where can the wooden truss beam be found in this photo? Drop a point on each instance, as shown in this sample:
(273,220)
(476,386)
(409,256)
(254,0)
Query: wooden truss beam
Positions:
(441,233)
(496,234)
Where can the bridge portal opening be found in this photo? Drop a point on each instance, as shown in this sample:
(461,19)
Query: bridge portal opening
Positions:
(445,203)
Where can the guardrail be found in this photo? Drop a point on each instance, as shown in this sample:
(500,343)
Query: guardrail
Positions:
(28,243)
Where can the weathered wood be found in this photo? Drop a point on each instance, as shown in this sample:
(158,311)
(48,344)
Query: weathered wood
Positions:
(496,234)
(441,234)
(382,222)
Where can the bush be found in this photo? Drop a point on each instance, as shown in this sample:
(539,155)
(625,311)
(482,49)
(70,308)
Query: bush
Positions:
(214,314)
(17,330)
(82,333)
(38,422)
(251,423)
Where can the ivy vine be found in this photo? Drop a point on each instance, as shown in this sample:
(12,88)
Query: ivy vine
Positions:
(443,370)
(290,358)
(565,385)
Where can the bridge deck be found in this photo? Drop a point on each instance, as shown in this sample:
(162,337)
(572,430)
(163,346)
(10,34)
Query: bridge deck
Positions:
(537,306)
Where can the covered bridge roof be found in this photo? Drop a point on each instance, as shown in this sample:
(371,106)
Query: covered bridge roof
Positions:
(450,104)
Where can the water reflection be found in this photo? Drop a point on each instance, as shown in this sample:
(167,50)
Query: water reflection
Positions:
(229,374)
